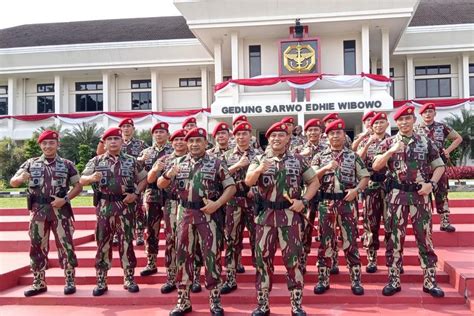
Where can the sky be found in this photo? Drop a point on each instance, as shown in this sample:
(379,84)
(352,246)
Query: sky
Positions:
(19,12)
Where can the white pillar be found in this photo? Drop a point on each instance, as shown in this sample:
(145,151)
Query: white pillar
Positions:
(385,53)
(301,119)
(234,45)
(156,95)
(218,62)
(410,78)
(365,59)
(374,62)
(204,88)
(465,75)
(12,86)
(106,85)
(58,94)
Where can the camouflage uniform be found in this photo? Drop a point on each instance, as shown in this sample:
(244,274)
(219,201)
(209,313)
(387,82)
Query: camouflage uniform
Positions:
(333,209)
(154,201)
(253,143)
(296,141)
(407,168)
(47,178)
(239,214)
(276,224)
(119,175)
(438,133)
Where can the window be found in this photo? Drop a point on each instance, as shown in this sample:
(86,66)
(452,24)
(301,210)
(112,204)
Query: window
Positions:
(45,104)
(3,106)
(255,61)
(349,58)
(190,82)
(432,70)
(432,88)
(45,87)
(141,84)
(141,100)
(471,81)
(88,86)
(226,78)
(3,89)
(391,74)
(86,102)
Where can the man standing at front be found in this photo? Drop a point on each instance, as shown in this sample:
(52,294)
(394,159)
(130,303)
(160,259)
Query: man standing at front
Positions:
(278,175)
(410,159)
(203,186)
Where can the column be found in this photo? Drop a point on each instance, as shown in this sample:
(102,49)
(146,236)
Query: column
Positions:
(218,62)
(156,92)
(410,78)
(301,119)
(106,93)
(12,86)
(204,88)
(365,58)
(58,94)
(465,75)
(234,45)
(385,53)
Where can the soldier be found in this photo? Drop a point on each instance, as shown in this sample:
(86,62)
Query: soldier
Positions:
(409,158)
(438,133)
(365,134)
(221,135)
(253,142)
(279,217)
(374,196)
(154,197)
(49,178)
(343,176)
(203,186)
(295,140)
(171,208)
(239,210)
(117,180)
(189,123)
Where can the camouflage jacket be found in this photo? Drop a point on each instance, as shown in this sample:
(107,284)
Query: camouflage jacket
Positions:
(313,150)
(217,152)
(325,141)
(152,193)
(286,176)
(133,147)
(253,143)
(410,166)
(369,158)
(438,133)
(47,178)
(169,159)
(296,141)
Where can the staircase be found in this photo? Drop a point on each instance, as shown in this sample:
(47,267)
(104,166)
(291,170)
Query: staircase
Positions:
(455,276)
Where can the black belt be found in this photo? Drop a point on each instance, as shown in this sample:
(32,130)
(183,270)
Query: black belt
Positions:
(42,199)
(192,205)
(276,205)
(407,187)
(111,197)
(377,177)
(332,196)
(152,186)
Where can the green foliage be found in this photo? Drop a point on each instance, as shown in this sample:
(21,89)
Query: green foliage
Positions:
(455,155)
(463,125)
(145,135)
(85,153)
(87,134)
(11,157)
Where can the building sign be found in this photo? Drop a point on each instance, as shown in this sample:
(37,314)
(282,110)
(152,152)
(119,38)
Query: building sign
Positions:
(299,57)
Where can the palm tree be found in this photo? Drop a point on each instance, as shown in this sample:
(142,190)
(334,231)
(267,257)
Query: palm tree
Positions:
(463,125)
(85,134)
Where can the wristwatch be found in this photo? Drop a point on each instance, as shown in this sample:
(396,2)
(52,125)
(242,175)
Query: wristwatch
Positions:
(434,185)
(359,191)
(305,202)
(66,199)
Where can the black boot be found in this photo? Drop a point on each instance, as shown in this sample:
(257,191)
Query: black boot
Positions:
(184,303)
(296,298)
(101,287)
(393,285)
(356,283)
(445,224)
(39,284)
(429,283)
(69,275)
(215,306)
(170,284)
(196,286)
(150,268)
(263,306)
(115,240)
(240,268)
(230,284)
(140,240)
(323,281)
(129,281)
(372,261)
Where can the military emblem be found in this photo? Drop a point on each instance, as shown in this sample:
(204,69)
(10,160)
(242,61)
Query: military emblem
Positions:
(300,58)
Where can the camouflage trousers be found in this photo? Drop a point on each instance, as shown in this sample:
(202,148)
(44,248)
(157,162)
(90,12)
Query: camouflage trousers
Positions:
(397,220)
(107,225)
(139,214)
(375,208)
(441,195)
(307,236)
(237,218)
(341,213)
(170,218)
(39,231)
(154,214)
(289,240)
(189,237)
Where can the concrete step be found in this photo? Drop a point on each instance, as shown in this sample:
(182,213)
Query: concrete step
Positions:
(20,241)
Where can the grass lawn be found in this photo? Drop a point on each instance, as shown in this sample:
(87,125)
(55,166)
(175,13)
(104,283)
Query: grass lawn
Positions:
(461,195)
(21,202)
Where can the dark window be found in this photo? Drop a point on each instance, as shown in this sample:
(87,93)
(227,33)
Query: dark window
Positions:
(391,72)
(89,102)
(300,95)
(471,86)
(432,70)
(471,69)
(89,86)
(255,61)
(141,100)
(3,106)
(45,87)
(45,104)
(141,84)
(227,78)
(190,82)
(349,58)
(3,89)
(432,88)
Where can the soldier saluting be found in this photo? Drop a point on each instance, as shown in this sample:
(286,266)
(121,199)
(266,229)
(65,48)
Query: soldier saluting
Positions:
(49,178)
(409,159)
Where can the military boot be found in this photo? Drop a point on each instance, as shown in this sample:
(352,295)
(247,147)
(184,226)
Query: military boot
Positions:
(184,303)
(39,284)
(296,298)
(150,266)
(69,275)
(129,281)
(263,306)
(240,268)
(429,283)
(115,240)
(445,224)
(101,287)
(215,302)
(170,284)
(356,283)
(230,284)
(323,281)
(372,261)
(196,286)
(140,240)
(335,265)
(393,285)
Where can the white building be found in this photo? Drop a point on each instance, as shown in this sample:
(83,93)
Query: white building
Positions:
(159,68)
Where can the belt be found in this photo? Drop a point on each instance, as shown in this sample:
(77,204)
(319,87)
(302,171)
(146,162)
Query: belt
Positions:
(378,177)
(332,196)
(276,205)
(192,205)
(42,199)
(111,197)
(407,187)
(152,186)
(241,194)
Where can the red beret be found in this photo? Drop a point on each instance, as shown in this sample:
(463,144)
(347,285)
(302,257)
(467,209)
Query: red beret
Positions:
(113,131)
(244,126)
(378,116)
(126,121)
(288,119)
(220,127)
(332,116)
(188,120)
(406,109)
(160,125)
(337,124)
(48,135)
(178,133)
(240,118)
(427,106)
(196,132)
(368,115)
(277,127)
(315,122)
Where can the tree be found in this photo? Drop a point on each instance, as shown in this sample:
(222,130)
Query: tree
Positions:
(87,134)
(145,135)
(463,125)
(11,157)
(85,153)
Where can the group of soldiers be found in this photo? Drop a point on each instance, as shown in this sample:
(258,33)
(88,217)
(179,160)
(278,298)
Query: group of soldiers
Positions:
(207,196)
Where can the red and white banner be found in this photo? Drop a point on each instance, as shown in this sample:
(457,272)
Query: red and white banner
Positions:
(441,103)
